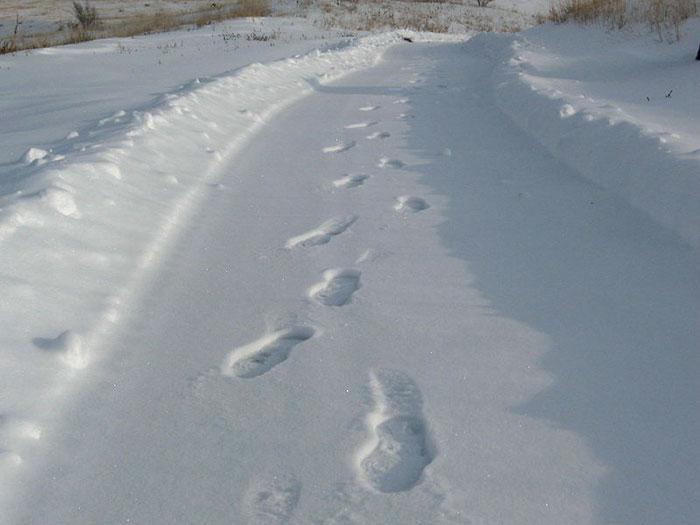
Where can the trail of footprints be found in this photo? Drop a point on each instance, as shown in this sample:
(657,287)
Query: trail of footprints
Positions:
(396,451)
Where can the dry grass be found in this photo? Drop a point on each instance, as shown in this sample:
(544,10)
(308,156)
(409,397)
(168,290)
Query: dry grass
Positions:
(10,45)
(418,15)
(385,17)
(137,24)
(662,16)
(86,15)
(240,9)
(588,11)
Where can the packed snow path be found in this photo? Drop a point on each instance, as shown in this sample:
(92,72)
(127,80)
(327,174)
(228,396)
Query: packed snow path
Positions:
(394,308)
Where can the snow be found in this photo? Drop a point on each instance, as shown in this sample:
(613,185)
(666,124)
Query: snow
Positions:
(53,93)
(630,134)
(350,279)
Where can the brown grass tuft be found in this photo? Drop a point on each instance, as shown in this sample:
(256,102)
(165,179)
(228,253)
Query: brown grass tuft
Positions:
(588,11)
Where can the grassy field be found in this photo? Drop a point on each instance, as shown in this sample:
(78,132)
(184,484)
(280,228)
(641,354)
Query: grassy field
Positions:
(26,24)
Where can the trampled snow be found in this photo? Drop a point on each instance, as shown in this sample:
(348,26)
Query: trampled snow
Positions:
(359,280)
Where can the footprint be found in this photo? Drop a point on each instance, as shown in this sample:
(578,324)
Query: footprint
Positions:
(274,500)
(18,429)
(369,108)
(338,148)
(15,432)
(566,111)
(337,287)
(350,181)
(371,255)
(323,233)
(386,162)
(68,346)
(260,356)
(57,198)
(379,135)
(361,125)
(411,204)
(9,459)
(394,457)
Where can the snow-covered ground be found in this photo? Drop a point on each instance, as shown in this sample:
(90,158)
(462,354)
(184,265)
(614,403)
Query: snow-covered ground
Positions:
(317,279)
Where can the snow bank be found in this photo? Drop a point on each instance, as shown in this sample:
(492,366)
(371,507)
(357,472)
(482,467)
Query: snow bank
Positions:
(603,104)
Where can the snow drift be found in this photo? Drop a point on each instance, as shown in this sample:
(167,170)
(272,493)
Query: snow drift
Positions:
(622,113)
